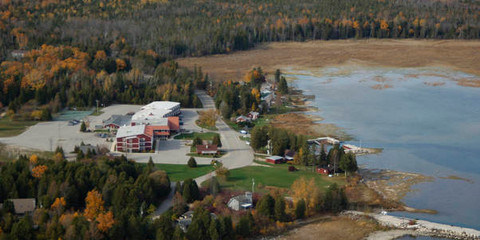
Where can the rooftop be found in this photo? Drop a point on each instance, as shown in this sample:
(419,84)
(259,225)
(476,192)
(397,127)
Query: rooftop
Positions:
(119,120)
(126,131)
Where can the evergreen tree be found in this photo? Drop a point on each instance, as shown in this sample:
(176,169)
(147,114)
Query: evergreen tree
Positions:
(300,209)
(283,86)
(213,229)
(216,140)
(277,75)
(258,137)
(225,110)
(227,228)
(23,229)
(280,209)
(192,163)
(266,206)
(190,191)
(164,227)
(178,234)
(83,127)
(243,228)
(198,229)
(197,141)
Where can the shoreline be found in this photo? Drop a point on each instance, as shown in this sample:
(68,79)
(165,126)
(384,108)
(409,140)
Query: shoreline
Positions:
(417,227)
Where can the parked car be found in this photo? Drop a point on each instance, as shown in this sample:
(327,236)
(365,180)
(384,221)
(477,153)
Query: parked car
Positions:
(243,132)
(247,142)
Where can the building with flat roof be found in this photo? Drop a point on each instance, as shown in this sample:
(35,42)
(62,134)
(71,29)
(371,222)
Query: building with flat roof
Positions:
(23,205)
(155,111)
(133,139)
(116,121)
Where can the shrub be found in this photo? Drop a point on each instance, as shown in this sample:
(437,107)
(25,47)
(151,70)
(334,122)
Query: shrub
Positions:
(292,169)
(192,163)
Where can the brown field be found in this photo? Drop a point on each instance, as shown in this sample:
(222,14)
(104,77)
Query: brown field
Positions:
(334,228)
(458,55)
(304,124)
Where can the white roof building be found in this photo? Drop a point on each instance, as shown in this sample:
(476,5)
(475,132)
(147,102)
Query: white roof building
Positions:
(127,131)
(155,111)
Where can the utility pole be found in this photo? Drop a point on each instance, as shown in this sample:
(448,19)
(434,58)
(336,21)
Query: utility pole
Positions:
(97,105)
(253,185)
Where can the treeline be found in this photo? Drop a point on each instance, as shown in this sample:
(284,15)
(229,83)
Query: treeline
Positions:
(194,28)
(101,199)
(53,78)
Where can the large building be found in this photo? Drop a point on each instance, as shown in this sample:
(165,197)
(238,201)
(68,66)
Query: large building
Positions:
(156,111)
(134,139)
(154,122)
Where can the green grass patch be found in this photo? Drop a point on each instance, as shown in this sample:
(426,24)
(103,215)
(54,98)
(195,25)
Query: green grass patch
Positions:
(244,138)
(274,175)
(13,128)
(194,154)
(95,113)
(190,136)
(211,128)
(179,172)
(233,125)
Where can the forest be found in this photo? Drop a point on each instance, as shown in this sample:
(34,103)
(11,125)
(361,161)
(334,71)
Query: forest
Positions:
(194,28)
(89,199)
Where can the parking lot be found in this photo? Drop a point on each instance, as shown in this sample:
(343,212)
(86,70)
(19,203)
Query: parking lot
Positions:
(46,136)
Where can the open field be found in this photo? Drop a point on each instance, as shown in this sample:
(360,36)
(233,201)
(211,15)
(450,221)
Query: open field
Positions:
(179,172)
(273,176)
(341,227)
(459,55)
(13,128)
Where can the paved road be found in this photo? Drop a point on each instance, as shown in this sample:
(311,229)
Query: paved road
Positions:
(238,154)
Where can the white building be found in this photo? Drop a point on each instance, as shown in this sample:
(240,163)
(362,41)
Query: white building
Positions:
(241,202)
(156,111)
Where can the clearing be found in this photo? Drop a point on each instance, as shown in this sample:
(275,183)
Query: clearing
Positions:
(459,55)
(13,128)
(178,172)
(276,176)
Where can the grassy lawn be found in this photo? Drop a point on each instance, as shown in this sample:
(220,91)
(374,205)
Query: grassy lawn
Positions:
(95,113)
(211,128)
(179,172)
(13,128)
(203,136)
(194,154)
(277,176)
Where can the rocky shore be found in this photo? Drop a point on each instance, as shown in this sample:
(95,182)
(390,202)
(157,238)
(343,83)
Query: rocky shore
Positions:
(415,227)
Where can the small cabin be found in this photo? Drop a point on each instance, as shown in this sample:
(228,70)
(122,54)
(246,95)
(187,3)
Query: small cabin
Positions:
(275,160)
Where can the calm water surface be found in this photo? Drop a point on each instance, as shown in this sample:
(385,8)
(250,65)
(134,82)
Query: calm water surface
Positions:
(432,130)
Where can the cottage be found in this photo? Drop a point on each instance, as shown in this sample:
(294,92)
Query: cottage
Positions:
(23,205)
(253,115)
(186,219)
(240,202)
(242,118)
(289,155)
(207,149)
(275,159)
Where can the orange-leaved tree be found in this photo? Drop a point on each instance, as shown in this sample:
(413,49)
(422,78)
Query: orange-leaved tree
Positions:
(94,205)
(39,170)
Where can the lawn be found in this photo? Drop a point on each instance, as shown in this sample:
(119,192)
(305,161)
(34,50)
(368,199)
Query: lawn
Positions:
(277,176)
(211,128)
(179,172)
(13,128)
(203,136)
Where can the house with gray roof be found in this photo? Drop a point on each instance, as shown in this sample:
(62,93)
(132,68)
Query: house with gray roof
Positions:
(117,121)
(241,202)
